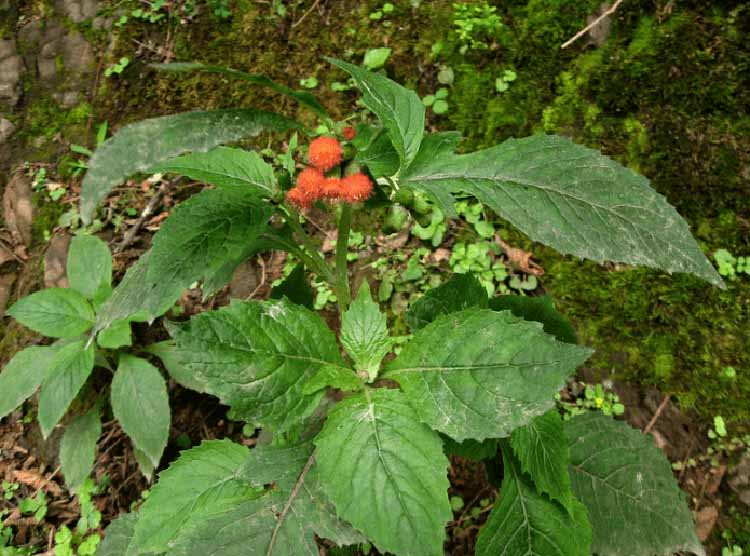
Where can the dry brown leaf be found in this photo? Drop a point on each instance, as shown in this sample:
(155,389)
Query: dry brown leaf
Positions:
(519,258)
(37,481)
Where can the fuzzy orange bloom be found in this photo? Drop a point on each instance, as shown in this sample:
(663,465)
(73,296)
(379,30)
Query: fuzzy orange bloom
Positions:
(325,153)
(310,181)
(349,133)
(332,189)
(299,198)
(356,187)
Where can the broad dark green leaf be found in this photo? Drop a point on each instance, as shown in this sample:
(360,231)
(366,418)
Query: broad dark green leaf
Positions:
(298,508)
(537,309)
(67,372)
(169,354)
(542,451)
(303,97)
(139,146)
(89,265)
(470,449)
(364,333)
(526,523)
(256,357)
(380,157)
(203,233)
(461,292)
(141,405)
(118,536)
(400,110)
(22,375)
(54,312)
(204,482)
(116,336)
(386,473)
(225,167)
(634,503)
(136,298)
(78,448)
(481,374)
(571,198)
(331,376)
(295,288)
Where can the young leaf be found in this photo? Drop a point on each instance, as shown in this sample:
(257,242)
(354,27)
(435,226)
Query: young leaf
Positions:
(78,448)
(295,288)
(203,233)
(364,334)
(331,376)
(67,372)
(169,354)
(386,473)
(461,292)
(526,522)
(480,374)
(537,309)
(89,265)
(298,508)
(571,198)
(225,167)
(139,146)
(116,336)
(22,375)
(256,357)
(400,109)
(635,505)
(542,451)
(302,97)
(203,482)
(119,536)
(54,312)
(141,405)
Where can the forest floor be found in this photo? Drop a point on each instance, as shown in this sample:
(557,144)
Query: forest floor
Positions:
(663,87)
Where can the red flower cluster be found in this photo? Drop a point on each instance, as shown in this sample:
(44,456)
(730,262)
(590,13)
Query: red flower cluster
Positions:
(312,185)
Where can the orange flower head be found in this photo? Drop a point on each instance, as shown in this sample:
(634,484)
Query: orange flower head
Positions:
(299,198)
(310,181)
(349,133)
(332,189)
(325,153)
(357,187)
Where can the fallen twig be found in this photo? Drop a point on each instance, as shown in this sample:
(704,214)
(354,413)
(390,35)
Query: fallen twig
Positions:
(659,410)
(153,204)
(593,24)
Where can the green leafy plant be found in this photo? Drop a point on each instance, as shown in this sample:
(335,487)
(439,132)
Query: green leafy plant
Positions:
(138,393)
(118,67)
(730,266)
(355,437)
(476,25)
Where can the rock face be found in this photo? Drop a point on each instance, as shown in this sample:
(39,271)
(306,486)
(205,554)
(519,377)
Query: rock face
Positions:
(18,209)
(11,68)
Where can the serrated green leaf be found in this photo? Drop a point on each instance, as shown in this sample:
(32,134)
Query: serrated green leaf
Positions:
(203,233)
(298,508)
(78,448)
(54,312)
(89,265)
(635,505)
(380,158)
(118,536)
(330,376)
(136,298)
(256,357)
(470,449)
(537,309)
(67,372)
(23,374)
(400,109)
(169,354)
(461,292)
(364,333)
(225,167)
(386,473)
(141,405)
(203,482)
(524,522)
(542,451)
(295,288)
(571,198)
(481,374)
(116,336)
(302,97)
(139,146)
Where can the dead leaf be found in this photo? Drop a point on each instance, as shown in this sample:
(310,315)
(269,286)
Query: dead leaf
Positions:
(18,209)
(705,522)
(6,287)
(519,258)
(393,241)
(37,481)
(55,261)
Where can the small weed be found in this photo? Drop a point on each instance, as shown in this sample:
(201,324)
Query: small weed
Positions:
(730,266)
(476,25)
(503,82)
(117,68)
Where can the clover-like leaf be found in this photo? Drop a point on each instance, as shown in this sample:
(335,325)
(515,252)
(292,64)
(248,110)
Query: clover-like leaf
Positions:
(364,333)
(386,473)
(481,374)
(635,505)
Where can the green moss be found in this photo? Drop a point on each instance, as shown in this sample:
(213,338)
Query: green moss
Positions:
(46,217)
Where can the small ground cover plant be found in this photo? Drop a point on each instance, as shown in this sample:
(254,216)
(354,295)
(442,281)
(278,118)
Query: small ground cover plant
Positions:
(359,434)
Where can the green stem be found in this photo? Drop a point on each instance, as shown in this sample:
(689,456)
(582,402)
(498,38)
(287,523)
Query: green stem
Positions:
(342,243)
(317,262)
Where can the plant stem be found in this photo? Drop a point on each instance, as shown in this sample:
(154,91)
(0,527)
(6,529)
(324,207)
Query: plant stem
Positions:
(318,264)
(342,243)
